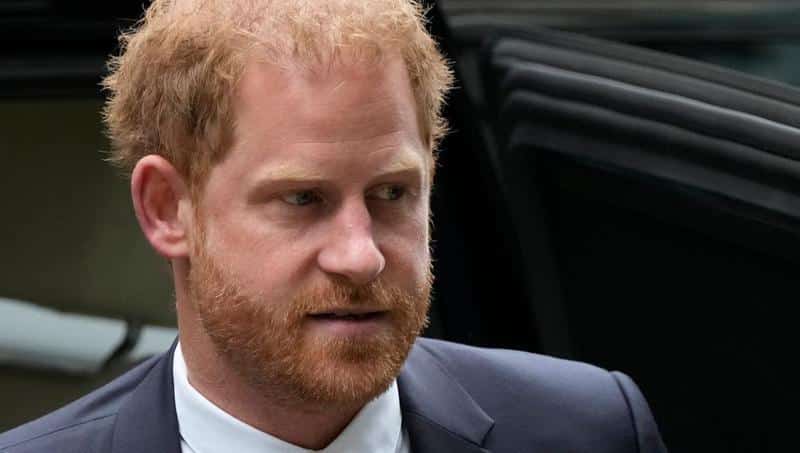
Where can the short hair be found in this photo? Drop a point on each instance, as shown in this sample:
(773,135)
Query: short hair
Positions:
(171,88)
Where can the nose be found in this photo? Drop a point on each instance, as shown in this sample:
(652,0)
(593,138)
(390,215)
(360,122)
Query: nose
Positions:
(351,251)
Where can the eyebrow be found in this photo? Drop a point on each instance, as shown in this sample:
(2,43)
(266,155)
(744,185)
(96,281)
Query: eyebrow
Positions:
(404,164)
(289,172)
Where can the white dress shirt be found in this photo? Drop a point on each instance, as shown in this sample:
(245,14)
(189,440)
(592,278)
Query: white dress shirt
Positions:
(205,428)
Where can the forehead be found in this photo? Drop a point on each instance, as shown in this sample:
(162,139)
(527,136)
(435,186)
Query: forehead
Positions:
(318,94)
(290,111)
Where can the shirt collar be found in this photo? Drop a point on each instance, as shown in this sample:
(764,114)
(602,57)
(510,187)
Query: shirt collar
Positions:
(208,429)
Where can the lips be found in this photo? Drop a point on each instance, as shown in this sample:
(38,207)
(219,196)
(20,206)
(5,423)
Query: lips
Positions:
(348,315)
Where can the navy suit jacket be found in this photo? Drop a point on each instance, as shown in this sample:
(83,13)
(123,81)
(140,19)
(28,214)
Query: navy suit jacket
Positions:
(454,398)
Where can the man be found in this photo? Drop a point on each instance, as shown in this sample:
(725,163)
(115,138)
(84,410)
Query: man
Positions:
(281,155)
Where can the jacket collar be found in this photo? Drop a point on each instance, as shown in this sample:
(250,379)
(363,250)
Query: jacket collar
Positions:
(437,412)
(147,420)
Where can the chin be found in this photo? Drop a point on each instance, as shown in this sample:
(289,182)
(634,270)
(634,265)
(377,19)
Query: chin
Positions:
(330,371)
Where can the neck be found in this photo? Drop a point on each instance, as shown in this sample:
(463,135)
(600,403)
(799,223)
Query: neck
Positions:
(306,425)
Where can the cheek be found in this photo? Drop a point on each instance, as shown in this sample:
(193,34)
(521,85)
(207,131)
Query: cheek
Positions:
(264,262)
(407,251)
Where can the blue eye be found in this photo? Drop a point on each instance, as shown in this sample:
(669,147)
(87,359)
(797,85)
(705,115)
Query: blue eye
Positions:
(390,192)
(301,198)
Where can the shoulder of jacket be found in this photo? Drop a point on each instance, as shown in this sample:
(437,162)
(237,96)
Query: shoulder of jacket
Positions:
(495,377)
(523,389)
(81,436)
(461,359)
(80,424)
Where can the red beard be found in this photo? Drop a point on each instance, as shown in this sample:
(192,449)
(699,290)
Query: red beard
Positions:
(270,345)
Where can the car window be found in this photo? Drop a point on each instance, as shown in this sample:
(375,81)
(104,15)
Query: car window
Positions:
(759,38)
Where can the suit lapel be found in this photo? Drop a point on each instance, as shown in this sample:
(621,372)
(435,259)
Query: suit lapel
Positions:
(147,421)
(429,437)
(437,412)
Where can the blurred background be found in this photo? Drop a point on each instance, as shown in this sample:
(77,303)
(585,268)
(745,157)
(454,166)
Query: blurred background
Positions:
(83,298)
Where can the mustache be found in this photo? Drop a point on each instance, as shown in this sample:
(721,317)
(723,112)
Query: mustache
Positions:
(376,295)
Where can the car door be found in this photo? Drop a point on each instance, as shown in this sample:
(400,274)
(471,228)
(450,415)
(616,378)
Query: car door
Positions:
(654,203)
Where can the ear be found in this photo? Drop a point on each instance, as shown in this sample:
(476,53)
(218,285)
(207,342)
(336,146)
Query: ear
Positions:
(160,199)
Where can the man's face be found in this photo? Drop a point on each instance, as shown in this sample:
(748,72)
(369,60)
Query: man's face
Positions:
(310,267)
